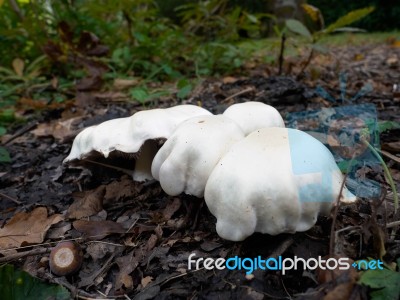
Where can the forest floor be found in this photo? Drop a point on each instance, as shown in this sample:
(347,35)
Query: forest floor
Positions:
(136,239)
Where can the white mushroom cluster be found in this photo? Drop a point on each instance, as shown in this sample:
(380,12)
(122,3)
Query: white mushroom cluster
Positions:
(255,175)
(133,135)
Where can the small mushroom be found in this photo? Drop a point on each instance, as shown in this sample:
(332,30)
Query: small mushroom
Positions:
(187,158)
(254,115)
(133,135)
(66,258)
(276,180)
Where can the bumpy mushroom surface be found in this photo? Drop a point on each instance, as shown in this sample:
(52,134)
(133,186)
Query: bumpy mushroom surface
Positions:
(187,158)
(133,135)
(275,180)
(254,115)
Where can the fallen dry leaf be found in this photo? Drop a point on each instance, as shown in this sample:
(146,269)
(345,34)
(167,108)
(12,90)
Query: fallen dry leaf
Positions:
(122,189)
(326,275)
(171,208)
(146,280)
(100,250)
(27,228)
(392,147)
(127,264)
(121,84)
(29,103)
(151,242)
(110,96)
(18,66)
(57,129)
(98,229)
(229,79)
(90,204)
(59,230)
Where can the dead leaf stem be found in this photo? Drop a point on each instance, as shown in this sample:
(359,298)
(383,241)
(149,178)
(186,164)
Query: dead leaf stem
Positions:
(19,255)
(10,198)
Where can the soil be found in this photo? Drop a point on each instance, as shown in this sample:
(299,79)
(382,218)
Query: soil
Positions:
(137,240)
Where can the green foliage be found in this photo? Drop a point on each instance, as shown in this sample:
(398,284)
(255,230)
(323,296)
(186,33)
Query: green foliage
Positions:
(4,155)
(387,125)
(184,88)
(141,41)
(384,283)
(312,38)
(384,18)
(217,19)
(19,285)
(143,95)
(349,18)
(298,27)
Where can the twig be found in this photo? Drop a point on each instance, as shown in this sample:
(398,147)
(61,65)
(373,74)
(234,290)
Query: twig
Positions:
(128,20)
(16,9)
(24,254)
(38,245)
(387,173)
(92,278)
(389,155)
(166,280)
(10,198)
(249,89)
(21,132)
(305,65)
(126,171)
(281,53)
(106,243)
(80,294)
(335,213)
(284,287)
(348,229)
(393,224)
(282,248)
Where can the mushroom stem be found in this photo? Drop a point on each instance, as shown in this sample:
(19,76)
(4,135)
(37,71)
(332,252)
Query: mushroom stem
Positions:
(147,153)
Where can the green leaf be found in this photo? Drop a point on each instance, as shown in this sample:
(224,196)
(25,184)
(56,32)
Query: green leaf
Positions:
(19,285)
(384,282)
(140,94)
(320,48)
(3,130)
(298,27)
(4,155)
(252,18)
(349,18)
(350,29)
(346,165)
(184,91)
(387,125)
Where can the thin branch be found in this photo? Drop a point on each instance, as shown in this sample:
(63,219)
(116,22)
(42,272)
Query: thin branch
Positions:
(335,213)
(20,132)
(128,19)
(393,224)
(305,65)
(10,198)
(281,53)
(19,255)
(16,9)
(249,89)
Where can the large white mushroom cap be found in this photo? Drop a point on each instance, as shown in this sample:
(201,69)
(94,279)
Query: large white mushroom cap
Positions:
(254,115)
(187,158)
(128,135)
(275,180)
